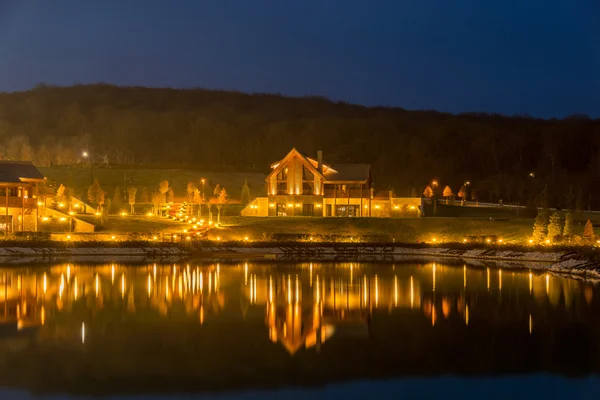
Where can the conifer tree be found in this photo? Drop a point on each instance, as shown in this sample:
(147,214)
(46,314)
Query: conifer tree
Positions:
(245,197)
(447,193)
(117,200)
(540,227)
(568,228)
(428,193)
(96,195)
(588,231)
(554,227)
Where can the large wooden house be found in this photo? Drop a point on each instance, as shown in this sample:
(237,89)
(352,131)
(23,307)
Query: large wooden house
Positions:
(302,186)
(19,185)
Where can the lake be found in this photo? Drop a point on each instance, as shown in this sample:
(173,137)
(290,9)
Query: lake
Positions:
(296,330)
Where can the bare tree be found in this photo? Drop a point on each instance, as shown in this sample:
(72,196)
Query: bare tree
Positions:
(221,201)
(131,192)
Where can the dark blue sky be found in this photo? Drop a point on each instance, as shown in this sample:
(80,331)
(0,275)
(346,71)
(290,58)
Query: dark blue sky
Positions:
(540,57)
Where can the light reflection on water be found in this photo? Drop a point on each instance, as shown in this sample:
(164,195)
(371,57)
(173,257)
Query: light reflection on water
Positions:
(196,327)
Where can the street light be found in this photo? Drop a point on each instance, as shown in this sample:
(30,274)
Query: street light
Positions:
(87,157)
(531,174)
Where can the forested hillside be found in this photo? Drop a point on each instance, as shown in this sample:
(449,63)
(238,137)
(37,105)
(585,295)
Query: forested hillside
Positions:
(234,131)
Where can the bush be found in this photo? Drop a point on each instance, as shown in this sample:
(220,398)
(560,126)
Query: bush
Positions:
(39,236)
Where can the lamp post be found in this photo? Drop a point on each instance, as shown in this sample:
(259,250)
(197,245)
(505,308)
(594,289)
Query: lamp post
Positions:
(201,198)
(434,184)
(86,156)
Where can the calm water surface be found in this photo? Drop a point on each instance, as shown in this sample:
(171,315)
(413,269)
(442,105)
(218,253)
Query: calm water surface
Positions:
(253,328)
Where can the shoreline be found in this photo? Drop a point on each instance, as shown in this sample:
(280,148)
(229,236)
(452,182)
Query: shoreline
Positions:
(567,262)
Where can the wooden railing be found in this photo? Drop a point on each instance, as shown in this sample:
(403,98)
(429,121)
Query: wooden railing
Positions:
(18,202)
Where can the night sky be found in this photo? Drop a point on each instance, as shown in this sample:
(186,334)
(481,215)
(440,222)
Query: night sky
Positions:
(536,57)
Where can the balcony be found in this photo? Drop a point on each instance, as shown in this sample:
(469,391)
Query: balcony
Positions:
(14,201)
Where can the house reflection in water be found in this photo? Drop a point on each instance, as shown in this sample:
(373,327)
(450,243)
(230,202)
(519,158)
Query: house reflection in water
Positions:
(306,310)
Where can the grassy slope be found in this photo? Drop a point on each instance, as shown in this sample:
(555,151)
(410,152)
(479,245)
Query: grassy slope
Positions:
(134,224)
(403,230)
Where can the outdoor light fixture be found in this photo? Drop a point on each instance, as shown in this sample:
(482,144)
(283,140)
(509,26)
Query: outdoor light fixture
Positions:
(297,204)
(272,205)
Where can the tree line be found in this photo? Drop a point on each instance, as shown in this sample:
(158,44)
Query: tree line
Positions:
(512,158)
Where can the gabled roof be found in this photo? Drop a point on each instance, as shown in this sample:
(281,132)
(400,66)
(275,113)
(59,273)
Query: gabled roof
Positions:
(19,171)
(348,172)
(310,163)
